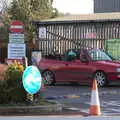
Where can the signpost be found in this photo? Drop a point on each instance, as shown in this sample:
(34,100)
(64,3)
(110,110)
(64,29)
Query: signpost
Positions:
(16,27)
(16,46)
(16,51)
(16,38)
(31,79)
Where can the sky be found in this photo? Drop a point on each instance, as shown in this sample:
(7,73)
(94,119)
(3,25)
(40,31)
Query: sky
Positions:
(74,6)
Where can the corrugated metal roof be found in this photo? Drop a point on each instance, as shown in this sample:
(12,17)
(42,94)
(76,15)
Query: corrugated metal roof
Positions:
(96,16)
(83,17)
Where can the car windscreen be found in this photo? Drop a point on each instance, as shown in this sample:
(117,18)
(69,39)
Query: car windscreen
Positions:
(97,54)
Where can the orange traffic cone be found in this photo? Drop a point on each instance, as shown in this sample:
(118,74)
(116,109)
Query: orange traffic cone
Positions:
(95,104)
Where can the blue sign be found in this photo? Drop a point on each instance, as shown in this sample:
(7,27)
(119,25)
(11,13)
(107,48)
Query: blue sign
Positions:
(31,79)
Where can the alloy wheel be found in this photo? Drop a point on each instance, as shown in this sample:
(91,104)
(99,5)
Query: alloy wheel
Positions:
(48,77)
(100,77)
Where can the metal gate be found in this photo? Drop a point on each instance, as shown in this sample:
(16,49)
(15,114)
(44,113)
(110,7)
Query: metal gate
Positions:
(63,35)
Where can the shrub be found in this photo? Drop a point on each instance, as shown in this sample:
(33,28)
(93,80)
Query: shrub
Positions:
(11,88)
(14,74)
(3,69)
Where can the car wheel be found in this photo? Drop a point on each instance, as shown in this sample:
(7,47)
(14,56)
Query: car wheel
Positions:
(101,78)
(48,77)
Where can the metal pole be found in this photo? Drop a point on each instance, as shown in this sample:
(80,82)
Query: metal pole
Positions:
(30,97)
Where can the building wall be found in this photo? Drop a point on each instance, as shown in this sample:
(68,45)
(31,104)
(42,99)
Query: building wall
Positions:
(101,6)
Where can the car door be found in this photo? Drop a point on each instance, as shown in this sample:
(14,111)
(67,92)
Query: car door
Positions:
(60,72)
(64,71)
(79,71)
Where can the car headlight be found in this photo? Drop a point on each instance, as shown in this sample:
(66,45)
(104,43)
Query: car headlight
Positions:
(118,69)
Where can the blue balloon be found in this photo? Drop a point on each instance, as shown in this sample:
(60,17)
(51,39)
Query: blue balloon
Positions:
(31,79)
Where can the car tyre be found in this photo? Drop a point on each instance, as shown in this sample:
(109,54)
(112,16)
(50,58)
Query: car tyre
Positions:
(48,77)
(101,78)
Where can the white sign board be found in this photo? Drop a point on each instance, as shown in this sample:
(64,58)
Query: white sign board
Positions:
(13,35)
(16,38)
(42,32)
(36,57)
(16,51)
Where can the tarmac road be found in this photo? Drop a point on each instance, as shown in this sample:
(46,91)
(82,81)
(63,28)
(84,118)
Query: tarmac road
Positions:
(77,98)
(57,118)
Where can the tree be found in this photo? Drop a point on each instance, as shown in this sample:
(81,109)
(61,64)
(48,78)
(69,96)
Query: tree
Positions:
(4,21)
(31,10)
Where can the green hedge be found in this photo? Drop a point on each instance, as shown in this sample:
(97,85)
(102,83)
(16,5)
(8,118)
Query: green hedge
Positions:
(11,88)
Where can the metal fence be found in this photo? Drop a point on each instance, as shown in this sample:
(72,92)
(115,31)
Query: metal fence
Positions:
(61,36)
(112,47)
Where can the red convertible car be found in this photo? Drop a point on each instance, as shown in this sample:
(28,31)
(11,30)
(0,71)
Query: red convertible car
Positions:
(80,66)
